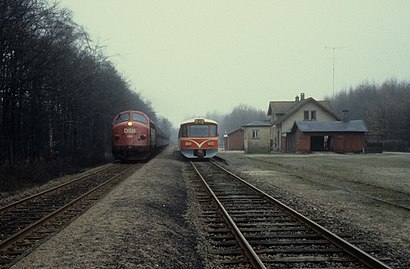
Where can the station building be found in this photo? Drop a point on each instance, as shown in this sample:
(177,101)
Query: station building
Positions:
(335,136)
(283,114)
(300,126)
(257,137)
(306,125)
(234,140)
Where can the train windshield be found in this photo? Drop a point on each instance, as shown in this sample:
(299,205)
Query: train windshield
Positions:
(198,130)
(122,117)
(139,117)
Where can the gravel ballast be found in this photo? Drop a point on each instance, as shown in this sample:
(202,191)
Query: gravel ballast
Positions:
(151,219)
(334,190)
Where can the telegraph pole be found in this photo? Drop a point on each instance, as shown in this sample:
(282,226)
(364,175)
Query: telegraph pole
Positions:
(333,49)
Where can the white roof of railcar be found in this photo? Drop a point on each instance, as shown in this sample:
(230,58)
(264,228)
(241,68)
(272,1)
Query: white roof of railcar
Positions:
(193,121)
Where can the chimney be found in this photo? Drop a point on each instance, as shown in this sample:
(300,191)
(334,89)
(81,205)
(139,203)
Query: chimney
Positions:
(302,96)
(297,98)
(345,112)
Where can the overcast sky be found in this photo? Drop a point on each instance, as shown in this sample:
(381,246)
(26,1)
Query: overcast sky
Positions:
(192,57)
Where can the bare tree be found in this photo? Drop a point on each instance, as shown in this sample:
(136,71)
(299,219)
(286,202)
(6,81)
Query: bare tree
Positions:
(58,92)
(384,108)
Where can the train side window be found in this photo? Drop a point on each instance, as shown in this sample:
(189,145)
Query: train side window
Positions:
(139,117)
(122,117)
(184,131)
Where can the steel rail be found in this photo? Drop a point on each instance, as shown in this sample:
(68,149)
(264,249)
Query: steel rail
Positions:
(379,200)
(6,207)
(361,255)
(17,236)
(249,251)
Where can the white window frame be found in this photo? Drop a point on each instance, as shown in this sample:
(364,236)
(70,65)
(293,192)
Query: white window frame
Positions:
(255,133)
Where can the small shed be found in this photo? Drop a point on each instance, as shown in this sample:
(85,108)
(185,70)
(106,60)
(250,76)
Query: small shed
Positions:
(234,140)
(336,136)
(257,137)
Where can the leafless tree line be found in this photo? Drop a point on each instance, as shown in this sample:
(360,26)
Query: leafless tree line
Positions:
(384,108)
(58,92)
(240,115)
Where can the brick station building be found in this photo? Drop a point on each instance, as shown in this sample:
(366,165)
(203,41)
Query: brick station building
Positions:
(336,136)
(234,140)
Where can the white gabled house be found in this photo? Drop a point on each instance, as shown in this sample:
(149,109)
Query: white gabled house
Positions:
(283,114)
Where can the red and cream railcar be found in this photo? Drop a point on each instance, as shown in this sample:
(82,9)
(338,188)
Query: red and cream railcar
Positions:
(198,138)
(135,136)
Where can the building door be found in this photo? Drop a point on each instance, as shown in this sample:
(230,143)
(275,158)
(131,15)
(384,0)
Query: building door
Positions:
(321,143)
(317,143)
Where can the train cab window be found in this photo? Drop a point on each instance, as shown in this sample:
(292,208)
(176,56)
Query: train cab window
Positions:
(139,117)
(122,117)
(199,131)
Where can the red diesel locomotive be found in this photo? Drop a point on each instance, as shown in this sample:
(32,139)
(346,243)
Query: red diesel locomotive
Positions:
(198,138)
(135,136)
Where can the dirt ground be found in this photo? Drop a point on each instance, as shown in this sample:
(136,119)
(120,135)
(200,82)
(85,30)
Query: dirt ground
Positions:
(149,220)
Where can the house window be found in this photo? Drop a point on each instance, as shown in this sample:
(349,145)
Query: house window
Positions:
(306,115)
(313,115)
(255,133)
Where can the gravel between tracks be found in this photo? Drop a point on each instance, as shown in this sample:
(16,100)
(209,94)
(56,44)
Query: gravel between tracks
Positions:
(148,220)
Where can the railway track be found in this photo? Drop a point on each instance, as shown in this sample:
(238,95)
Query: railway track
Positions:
(250,229)
(26,223)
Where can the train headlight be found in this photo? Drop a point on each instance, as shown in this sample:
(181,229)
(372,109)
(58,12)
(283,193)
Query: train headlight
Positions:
(129,123)
(188,144)
(143,137)
(116,136)
(210,143)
